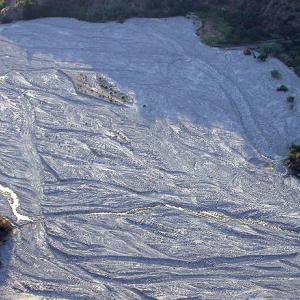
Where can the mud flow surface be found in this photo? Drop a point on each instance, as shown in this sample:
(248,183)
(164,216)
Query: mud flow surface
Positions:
(138,163)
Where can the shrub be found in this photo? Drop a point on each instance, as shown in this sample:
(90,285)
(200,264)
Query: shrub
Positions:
(6,228)
(115,10)
(276,74)
(297,59)
(245,25)
(293,161)
(2,4)
(291,99)
(29,9)
(295,147)
(293,151)
(272,49)
(5,19)
(283,88)
(262,57)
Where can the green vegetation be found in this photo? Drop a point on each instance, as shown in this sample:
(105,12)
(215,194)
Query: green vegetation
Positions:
(293,151)
(267,50)
(117,10)
(271,48)
(26,2)
(2,4)
(220,27)
(224,27)
(276,74)
(107,10)
(234,26)
(287,50)
(225,24)
(283,88)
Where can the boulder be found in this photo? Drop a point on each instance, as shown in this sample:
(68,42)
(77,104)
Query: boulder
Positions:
(6,228)
(247,51)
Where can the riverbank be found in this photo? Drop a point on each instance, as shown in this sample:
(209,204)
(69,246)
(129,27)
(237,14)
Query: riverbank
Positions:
(228,25)
(225,29)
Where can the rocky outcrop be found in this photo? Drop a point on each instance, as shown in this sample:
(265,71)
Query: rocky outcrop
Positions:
(293,162)
(6,228)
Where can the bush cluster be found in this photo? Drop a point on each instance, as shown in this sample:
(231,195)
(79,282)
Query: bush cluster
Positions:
(283,88)
(276,74)
(2,4)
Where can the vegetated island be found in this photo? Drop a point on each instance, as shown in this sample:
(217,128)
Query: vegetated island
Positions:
(99,86)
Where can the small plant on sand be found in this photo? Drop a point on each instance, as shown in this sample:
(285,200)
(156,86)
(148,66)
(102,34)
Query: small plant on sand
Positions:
(290,99)
(283,88)
(276,74)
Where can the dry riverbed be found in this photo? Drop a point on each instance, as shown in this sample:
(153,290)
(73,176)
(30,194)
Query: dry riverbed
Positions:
(179,191)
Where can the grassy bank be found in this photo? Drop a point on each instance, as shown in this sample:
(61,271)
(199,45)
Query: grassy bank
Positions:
(101,10)
(227,28)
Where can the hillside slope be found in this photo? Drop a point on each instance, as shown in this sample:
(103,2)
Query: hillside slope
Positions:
(278,15)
